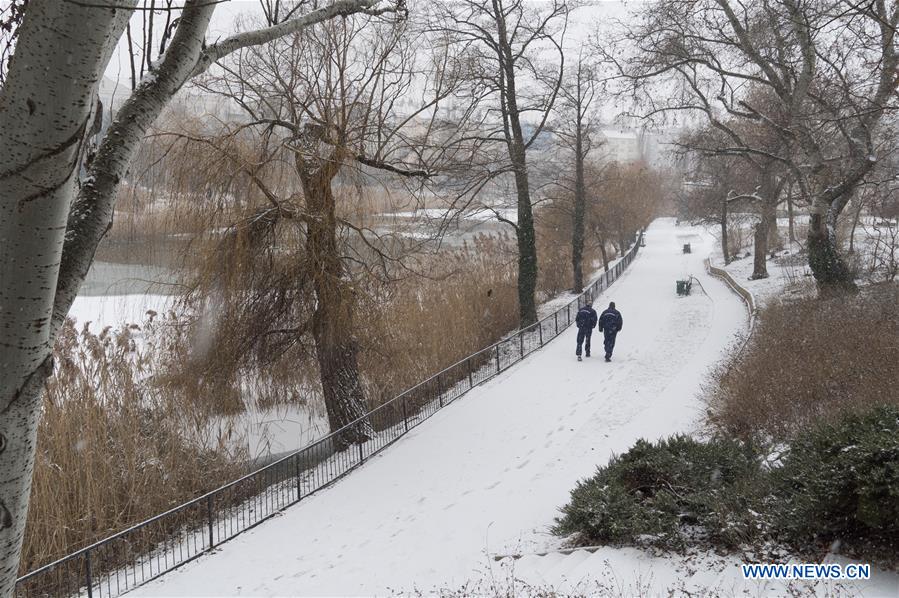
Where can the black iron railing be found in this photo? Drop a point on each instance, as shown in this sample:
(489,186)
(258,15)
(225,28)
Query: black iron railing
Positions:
(145,551)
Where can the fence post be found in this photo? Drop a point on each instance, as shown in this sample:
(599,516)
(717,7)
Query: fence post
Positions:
(88,574)
(209,519)
(405,417)
(568,313)
(540,330)
(361,456)
(439,392)
(497,358)
(296,461)
(521,343)
(556,321)
(470,379)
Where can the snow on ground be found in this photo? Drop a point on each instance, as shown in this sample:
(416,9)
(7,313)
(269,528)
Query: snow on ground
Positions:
(632,572)
(787,272)
(487,475)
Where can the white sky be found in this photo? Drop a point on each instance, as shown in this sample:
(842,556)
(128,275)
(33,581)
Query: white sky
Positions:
(226,13)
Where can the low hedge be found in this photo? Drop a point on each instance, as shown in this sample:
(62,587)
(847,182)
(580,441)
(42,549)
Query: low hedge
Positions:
(837,482)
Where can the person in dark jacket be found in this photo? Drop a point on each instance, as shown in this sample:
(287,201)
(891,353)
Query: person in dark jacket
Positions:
(586,322)
(610,324)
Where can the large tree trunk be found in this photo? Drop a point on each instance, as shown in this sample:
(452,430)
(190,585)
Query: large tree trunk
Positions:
(46,106)
(47,241)
(580,200)
(527,236)
(605,255)
(790,222)
(724,249)
(830,270)
(336,347)
(762,232)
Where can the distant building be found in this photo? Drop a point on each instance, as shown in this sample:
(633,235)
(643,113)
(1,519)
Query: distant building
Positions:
(627,144)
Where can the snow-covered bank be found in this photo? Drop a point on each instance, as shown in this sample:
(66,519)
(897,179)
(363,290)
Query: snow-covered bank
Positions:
(487,475)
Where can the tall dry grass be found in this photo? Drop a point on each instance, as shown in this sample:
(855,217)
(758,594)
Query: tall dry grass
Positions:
(115,446)
(125,431)
(809,360)
(415,327)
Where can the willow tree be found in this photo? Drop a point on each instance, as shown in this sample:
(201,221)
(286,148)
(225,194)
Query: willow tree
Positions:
(51,221)
(344,109)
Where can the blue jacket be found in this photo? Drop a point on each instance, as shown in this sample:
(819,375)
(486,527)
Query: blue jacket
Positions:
(610,321)
(586,318)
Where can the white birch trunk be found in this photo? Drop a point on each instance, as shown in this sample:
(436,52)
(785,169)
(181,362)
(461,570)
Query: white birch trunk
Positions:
(45,107)
(47,241)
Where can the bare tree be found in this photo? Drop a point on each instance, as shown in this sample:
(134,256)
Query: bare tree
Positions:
(333,103)
(50,221)
(749,178)
(828,70)
(575,128)
(509,42)
(630,196)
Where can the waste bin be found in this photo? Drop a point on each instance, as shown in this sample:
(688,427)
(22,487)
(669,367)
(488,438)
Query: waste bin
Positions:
(683,287)
(686,248)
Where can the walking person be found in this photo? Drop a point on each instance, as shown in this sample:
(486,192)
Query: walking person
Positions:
(610,324)
(586,322)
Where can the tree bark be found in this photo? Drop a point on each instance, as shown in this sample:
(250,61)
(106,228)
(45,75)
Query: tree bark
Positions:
(47,241)
(527,236)
(830,270)
(46,105)
(336,347)
(605,255)
(762,232)
(724,249)
(580,200)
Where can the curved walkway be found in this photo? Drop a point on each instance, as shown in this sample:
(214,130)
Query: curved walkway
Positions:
(486,475)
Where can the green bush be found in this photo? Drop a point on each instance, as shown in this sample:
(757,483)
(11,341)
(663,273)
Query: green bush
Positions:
(837,481)
(840,481)
(667,494)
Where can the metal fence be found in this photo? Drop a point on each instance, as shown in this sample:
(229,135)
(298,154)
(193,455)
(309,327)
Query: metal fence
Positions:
(740,290)
(145,551)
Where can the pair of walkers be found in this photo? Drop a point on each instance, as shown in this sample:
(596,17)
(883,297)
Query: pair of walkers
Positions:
(609,323)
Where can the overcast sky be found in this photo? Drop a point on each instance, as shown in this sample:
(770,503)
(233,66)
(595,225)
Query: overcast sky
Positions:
(227,13)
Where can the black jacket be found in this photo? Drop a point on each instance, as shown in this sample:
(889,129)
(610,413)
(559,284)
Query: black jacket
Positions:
(586,318)
(610,321)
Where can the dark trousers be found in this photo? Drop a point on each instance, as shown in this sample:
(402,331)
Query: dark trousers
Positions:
(609,341)
(583,336)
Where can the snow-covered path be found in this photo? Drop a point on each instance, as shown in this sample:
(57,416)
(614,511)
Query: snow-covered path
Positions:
(486,475)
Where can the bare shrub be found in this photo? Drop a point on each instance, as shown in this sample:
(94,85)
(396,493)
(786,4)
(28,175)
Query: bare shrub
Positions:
(809,360)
